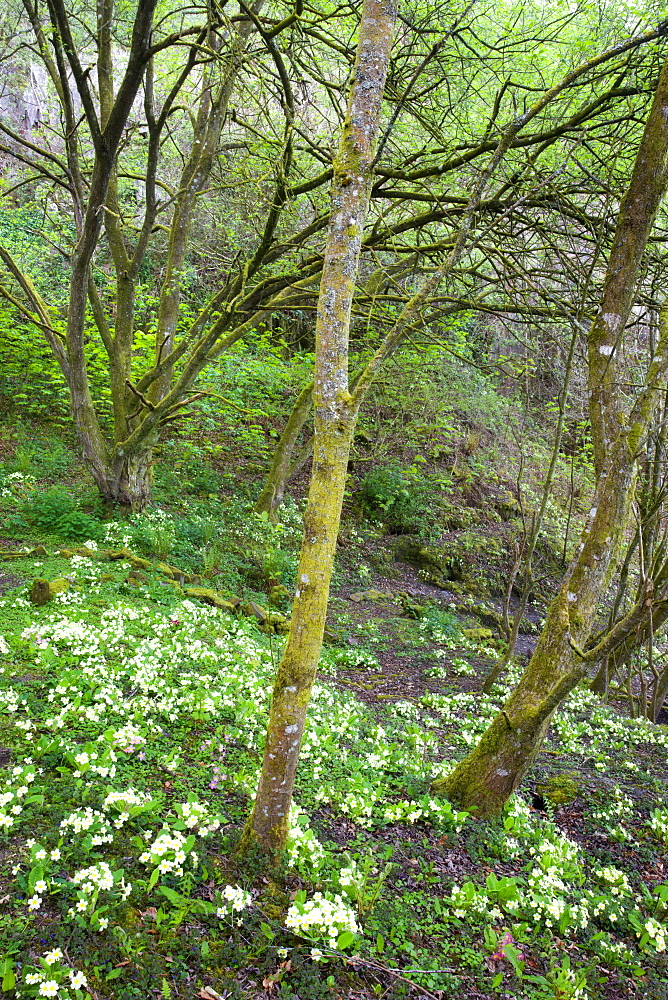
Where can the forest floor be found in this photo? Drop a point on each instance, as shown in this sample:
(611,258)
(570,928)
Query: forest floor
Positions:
(134,713)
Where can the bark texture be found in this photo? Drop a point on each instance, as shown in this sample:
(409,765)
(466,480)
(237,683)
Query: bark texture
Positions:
(335,417)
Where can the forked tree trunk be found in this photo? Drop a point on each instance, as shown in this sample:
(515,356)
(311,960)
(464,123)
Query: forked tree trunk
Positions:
(335,416)
(485,779)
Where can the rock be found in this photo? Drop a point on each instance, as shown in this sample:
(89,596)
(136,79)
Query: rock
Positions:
(268,621)
(410,608)
(371,595)
(438,567)
(478,634)
(39,550)
(254,610)
(115,555)
(66,553)
(208,596)
(134,574)
(42,591)
(278,594)
(174,572)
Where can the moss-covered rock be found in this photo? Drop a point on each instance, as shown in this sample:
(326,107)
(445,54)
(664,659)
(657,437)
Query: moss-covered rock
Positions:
(208,596)
(42,591)
(438,566)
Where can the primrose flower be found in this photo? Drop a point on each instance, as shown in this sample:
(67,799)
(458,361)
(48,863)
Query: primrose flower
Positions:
(77,980)
(49,988)
(34,902)
(53,956)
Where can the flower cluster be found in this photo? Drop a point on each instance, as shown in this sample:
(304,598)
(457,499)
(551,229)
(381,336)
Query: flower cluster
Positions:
(233,900)
(197,814)
(90,882)
(305,853)
(322,918)
(91,822)
(658,824)
(168,851)
(437,811)
(52,978)
(657,933)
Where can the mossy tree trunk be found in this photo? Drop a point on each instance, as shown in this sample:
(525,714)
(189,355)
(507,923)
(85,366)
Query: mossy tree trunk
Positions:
(334,419)
(485,779)
(273,491)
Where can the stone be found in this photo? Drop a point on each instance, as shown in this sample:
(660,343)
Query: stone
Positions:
(208,596)
(42,591)
(478,634)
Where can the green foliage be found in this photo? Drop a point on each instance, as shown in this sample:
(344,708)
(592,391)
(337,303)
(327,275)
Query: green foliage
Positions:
(55,512)
(407,501)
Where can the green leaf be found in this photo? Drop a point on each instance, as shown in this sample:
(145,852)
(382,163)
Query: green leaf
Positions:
(267,931)
(155,875)
(345,940)
(8,977)
(114,974)
(172,896)
(498,979)
(380,944)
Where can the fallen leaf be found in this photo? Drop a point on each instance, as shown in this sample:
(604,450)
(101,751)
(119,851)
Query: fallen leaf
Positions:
(206,993)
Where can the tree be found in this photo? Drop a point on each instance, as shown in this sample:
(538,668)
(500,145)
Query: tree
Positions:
(337,404)
(335,417)
(484,780)
(135,165)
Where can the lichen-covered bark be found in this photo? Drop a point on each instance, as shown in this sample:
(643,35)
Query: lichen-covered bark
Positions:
(634,222)
(484,780)
(335,416)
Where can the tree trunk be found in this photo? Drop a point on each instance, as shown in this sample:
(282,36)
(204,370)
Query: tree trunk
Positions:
(271,497)
(128,480)
(485,779)
(335,416)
